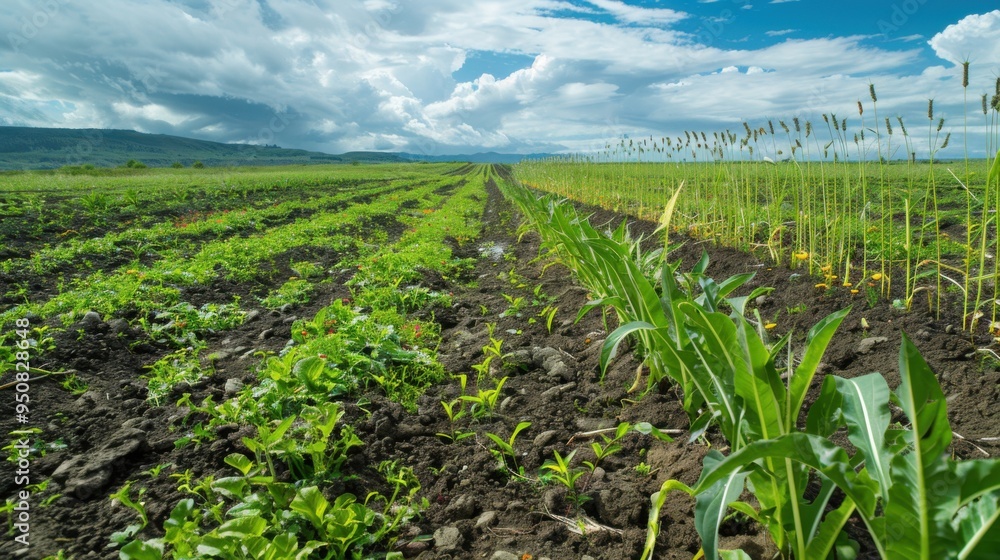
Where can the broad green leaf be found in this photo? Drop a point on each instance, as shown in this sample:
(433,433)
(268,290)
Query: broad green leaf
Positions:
(721,349)
(759,385)
(712,503)
(242,527)
(866,410)
(610,347)
(138,550)
(310,371)
(239,462)
(824,531)
(923,492)
(978,528)
(978,477)
(214,546)
(813,451)
(232,487)
(826,413)
(817,340)
(311,503)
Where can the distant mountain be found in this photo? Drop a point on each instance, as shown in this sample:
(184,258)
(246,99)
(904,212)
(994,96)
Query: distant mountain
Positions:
(50,148)
(487,157)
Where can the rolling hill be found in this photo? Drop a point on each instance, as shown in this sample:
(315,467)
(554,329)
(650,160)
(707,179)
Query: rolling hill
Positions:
(23,148)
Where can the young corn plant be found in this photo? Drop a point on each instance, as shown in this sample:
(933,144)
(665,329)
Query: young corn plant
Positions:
(914,498)
(505,448)
(561,472)
(485,400)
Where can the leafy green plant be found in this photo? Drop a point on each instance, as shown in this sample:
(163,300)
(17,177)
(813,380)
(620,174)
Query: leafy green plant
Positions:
(454,415)
(561,472)
(505,448)
(549,314)
(915,500)
(172,369)
(515,304)
(610,446)
(485,400)
(124,497)
(291,292)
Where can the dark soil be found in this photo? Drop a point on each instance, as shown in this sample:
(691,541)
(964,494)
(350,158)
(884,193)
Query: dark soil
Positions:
(111,434)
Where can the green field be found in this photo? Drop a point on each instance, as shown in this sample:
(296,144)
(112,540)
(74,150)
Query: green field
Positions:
(360,361)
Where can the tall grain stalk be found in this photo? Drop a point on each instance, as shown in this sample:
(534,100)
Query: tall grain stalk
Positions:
(931,198)
(966,322)
(885,192)
(908,245)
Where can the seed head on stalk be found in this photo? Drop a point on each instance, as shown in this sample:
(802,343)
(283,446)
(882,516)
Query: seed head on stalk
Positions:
(965,74)
(930,109)
(940,124)
(946,138)
(902,126)
(795,121)
(861,109)
(871,90)
(984,104)
(888,126)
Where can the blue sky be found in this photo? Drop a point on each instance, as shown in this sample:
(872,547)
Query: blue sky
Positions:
(463,76)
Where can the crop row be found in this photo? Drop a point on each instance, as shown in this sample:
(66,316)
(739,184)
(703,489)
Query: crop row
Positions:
(381,338)
(914,498)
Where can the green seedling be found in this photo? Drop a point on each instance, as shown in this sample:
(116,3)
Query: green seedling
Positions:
(561,472)
(549,314)
(609,448)
(453,416)
(514,306)
(155,471)
(124,497)
(484,402)
(506,448)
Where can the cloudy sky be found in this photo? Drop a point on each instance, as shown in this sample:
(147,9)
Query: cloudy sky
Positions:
(462,76)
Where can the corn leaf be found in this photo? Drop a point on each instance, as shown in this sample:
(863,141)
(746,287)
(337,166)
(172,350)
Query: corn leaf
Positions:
(866,410)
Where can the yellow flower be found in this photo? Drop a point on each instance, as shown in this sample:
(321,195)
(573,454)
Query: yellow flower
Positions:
(822,286)
(854,291)
(770,326)
(877,276)
(800,255)
(825,268)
